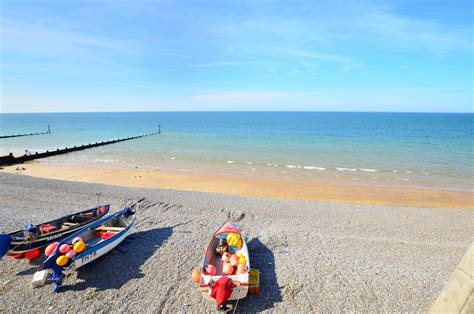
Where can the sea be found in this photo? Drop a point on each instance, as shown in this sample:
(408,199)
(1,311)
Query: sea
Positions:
(423,150)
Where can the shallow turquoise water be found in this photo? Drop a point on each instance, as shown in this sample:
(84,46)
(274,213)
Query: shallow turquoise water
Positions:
(393,149)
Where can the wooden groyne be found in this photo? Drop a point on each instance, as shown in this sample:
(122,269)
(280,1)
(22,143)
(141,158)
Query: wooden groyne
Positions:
(11,160)
(27,134)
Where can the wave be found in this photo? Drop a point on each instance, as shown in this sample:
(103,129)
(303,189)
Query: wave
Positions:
(291,166)
(314,168)
(230,161)
(368,170)
(346,169)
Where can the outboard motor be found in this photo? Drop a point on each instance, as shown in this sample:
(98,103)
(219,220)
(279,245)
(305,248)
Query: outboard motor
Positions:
(30,232)
(128,212)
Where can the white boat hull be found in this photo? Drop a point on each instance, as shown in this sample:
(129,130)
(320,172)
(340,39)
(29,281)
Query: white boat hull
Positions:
(88,257)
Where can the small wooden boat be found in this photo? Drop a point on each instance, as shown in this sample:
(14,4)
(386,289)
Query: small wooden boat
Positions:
(217,280)
(22,243)
(89,244)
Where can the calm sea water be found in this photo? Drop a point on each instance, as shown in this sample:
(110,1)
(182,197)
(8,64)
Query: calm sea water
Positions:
(391,149)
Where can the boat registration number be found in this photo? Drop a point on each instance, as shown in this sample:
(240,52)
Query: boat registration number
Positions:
(54,237)
(88,257)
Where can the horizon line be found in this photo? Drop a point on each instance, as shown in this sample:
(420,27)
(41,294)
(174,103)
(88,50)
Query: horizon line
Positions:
(246,111)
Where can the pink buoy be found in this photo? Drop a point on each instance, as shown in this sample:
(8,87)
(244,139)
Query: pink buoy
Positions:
(241,269)
(70,254)
(227,269)
(64,248)
(76,239)
(226,257)
(234,260)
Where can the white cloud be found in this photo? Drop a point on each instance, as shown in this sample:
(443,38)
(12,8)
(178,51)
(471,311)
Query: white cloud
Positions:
(45,41)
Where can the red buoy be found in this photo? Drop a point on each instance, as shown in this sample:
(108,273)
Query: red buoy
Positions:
(50,248)
(33,254)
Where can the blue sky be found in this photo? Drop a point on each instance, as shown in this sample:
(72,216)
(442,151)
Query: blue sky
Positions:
(236,55)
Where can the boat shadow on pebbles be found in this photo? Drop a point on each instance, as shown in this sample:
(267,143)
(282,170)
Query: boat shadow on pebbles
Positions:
(262,258)
(123,263)
(36,264)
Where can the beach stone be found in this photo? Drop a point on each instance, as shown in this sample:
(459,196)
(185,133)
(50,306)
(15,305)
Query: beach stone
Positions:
(312,256)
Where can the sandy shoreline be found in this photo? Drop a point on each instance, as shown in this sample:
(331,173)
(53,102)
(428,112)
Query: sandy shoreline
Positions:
(356,194)
(314,256)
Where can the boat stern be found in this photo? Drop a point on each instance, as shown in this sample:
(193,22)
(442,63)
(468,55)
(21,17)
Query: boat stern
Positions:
(240,291)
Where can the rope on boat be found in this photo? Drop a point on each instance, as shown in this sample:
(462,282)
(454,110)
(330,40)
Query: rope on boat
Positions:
(235,307)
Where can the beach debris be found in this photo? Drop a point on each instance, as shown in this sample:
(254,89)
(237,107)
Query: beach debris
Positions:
(6,282)
(39,278)
(20,168)
(290,291)
(186,305)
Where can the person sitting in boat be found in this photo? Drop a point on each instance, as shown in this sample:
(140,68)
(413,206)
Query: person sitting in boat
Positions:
(222,247)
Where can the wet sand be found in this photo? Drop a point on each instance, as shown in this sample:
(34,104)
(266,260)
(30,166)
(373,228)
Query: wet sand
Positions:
(280,189)
(313,256)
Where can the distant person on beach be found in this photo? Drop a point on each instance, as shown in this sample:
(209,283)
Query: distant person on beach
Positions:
(222,247)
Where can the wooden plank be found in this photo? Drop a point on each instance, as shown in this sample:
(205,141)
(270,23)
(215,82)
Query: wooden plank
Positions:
(106,228)
(69,224)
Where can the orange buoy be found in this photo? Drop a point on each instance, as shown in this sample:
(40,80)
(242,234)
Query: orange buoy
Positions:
(31,255)
(79,247)
(234,260)
(50,248)
(210,270)
(241,269)
(62,260)
(196,277)
(227,269)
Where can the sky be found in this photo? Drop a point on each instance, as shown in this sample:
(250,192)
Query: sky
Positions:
(70,56)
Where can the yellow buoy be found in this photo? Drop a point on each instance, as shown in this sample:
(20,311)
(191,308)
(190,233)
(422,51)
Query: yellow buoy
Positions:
(62,260)
(234,240)
(79,247)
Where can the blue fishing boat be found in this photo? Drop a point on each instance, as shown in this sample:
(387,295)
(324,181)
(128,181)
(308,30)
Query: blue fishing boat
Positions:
(89,244)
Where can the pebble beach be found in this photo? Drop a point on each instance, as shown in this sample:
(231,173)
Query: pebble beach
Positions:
(312,256)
